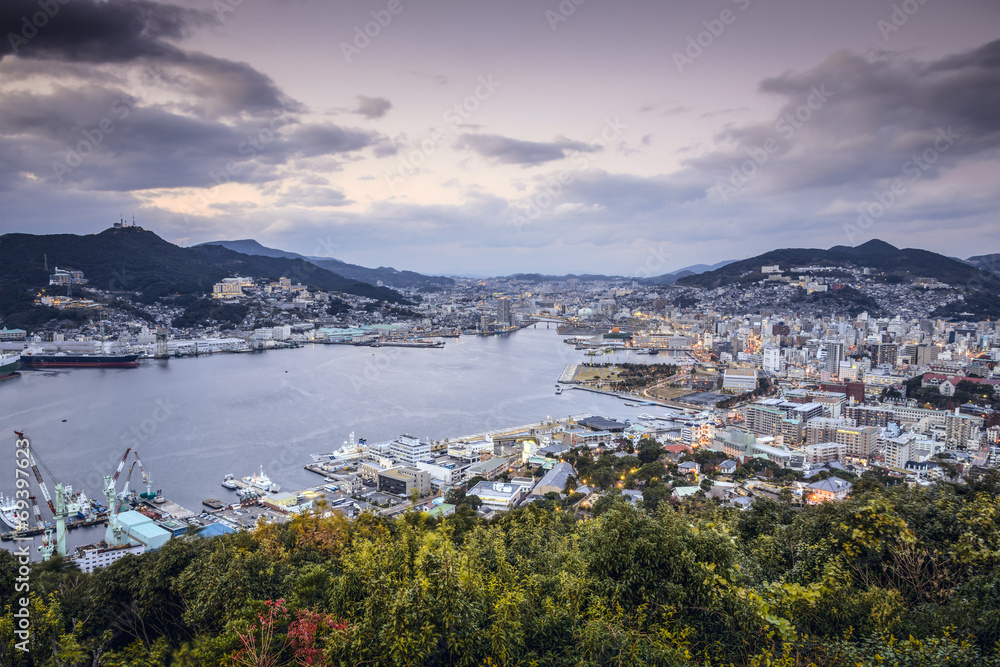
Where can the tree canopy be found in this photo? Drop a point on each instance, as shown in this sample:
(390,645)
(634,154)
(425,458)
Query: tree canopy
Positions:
(891,576)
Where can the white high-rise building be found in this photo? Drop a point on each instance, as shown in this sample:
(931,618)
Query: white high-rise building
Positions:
(409,450)
(772,359)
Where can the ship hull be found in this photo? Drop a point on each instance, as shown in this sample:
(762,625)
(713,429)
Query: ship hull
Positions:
(9,368)
(32,361)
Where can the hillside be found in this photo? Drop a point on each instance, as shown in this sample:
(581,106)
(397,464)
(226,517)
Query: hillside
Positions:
(989,263)
(877,255)
(133,259)
(694,269)
(386,274)
(893,576)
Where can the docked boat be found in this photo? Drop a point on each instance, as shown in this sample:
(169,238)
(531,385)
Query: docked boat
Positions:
(229,482)
(262,482)
(558,390)
(9,364)
(31,360)
(8,511)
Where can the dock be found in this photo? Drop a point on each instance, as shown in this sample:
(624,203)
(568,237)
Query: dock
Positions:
(70,525)
(569,372)
(164,506)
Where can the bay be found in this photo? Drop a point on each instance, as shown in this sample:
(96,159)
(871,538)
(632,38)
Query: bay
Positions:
(193,420)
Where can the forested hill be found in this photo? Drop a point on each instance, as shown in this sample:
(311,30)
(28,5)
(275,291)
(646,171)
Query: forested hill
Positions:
(134,259)
(897,576)
(386,274)
(875,254)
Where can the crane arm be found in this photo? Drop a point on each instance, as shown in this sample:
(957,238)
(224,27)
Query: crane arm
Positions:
(41,483)
(145,475)
(121,464)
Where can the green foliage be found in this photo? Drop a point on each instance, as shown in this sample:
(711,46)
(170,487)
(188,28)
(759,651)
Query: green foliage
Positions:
(892,576)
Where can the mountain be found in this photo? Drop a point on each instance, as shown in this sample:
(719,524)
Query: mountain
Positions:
(989,263)
(890,264)
(136,260)
(895,264)
(252,247)
(665,279)
(873,247)
(386,274)
(694,269)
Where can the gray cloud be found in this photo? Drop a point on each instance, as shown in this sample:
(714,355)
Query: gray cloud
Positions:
(123,144)
(372,107)
(98,32)
(879,111)
(140,32)
(515,151)
(315,140)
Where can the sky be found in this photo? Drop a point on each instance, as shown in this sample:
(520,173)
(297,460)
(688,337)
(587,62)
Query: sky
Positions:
(475,137)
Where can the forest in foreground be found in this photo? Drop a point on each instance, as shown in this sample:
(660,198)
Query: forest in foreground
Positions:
(900,576)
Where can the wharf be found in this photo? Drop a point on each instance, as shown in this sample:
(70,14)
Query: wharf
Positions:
(632,397)
(70,525)
(322,470)
(163,506)
(569,372)
(507,432)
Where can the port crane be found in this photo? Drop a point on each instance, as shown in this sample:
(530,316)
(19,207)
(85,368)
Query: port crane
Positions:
(113,536)
(58,507)
(46,547)
(124,493)
(146,481)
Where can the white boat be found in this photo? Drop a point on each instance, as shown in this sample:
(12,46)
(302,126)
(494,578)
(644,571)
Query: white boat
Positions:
(558,390)
(229,483)
(8,511)
(349,448)
(262,482)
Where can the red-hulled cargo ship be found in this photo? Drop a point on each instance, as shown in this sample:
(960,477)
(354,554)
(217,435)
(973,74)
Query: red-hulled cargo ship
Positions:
(30,361)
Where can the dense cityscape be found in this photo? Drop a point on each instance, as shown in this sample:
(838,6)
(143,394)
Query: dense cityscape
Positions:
(499,334)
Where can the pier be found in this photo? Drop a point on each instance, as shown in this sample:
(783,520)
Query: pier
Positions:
(70,525)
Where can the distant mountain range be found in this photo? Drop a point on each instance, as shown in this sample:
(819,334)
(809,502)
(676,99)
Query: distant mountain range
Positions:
(664,279)
(133,259)
(387,275)
(989,263)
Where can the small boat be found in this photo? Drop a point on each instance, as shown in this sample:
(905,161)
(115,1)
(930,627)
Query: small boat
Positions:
(8,511)
(558,390)
(262,482)
(229,482)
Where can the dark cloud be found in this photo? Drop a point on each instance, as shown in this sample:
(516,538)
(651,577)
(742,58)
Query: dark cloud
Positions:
(139,33)
(97,32)
(856,119)
(372,107)
(105,139)
(515,151)
(315,140)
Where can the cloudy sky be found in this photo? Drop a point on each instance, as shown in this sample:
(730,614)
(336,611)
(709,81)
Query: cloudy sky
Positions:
(471,137)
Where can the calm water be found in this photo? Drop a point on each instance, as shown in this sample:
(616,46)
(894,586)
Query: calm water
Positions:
(193,420)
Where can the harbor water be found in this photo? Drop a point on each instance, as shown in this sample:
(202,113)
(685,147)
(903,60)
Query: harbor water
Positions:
(193,420)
